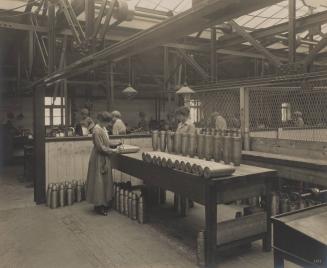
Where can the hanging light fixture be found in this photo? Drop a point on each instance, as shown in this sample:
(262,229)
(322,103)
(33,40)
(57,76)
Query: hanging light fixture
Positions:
(185,90)
(129,92)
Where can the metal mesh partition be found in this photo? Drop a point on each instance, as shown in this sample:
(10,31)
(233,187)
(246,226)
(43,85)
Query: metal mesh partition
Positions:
(296,113)
(224,101)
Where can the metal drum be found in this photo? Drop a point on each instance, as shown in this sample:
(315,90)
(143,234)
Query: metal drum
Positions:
(246,140)
(140,210)
(54,196)
(274,204)
(284,205)
(61,195)
(134,206)
(78,192)
(237,148)
(185,145)
(117,198)
(130,208)
(227,148)
(121,201)
(170,141)
(49,194)
(126,202)
(178,143)
(163,141)
(200,147)
(208,146)
(192,145)
(217,151)
(155,140)
(70,199)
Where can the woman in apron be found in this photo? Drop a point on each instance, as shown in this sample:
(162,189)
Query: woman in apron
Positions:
(99,184)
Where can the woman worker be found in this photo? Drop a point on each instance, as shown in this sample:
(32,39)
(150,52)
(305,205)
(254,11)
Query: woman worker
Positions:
(99,183)
(185,126)
(86,123)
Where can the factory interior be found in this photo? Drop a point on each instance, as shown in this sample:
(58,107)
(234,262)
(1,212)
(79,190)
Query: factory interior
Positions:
(163,133)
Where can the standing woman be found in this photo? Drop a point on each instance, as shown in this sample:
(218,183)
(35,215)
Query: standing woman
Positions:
(99,184)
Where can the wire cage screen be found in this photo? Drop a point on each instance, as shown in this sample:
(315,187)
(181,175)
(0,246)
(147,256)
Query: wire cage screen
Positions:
(295,113)
(224,101)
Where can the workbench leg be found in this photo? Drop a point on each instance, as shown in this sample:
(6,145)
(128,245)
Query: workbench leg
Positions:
(210,225)
(266,241)
(278,260)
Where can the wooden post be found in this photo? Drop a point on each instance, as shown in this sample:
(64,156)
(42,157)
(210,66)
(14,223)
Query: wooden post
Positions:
(39,146)
(245,116)
(210,224)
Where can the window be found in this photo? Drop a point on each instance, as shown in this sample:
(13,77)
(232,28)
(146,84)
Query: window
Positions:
(54,111)
(195,111)
(286,112)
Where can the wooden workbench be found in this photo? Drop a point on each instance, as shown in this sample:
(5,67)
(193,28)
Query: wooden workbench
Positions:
(247,181)
(300,237)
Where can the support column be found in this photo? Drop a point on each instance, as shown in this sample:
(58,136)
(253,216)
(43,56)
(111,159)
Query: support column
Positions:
(39,127)
(30,52)
(51,38)
(245,117)
(89,21)
(112,86)
(166,76)
(213,55)
(291,30)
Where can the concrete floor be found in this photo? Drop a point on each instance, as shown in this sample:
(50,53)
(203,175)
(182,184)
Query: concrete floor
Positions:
(36,236)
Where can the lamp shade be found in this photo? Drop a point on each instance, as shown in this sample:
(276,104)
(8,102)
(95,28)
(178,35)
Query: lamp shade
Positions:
(185,89)
(129,92)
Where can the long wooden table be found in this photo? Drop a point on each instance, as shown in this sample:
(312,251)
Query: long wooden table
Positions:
(247,181)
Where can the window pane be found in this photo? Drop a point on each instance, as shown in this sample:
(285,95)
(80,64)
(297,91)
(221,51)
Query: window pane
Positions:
(47,112)
(56,121)
(47,121)
(56,112)
(48,100)
(57,101)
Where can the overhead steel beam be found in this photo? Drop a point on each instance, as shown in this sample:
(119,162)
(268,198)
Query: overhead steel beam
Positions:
(291,30)
(301,24)
(315,51)
(193,63)
(89,18)
(247,37)
(107,19)
(204,15)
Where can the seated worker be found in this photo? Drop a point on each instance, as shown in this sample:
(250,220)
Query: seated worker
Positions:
(298,120)
(218,121)
(185,125)
(86,122)
(118,127)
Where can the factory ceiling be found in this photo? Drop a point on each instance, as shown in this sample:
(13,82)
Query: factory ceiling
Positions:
(266,21)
